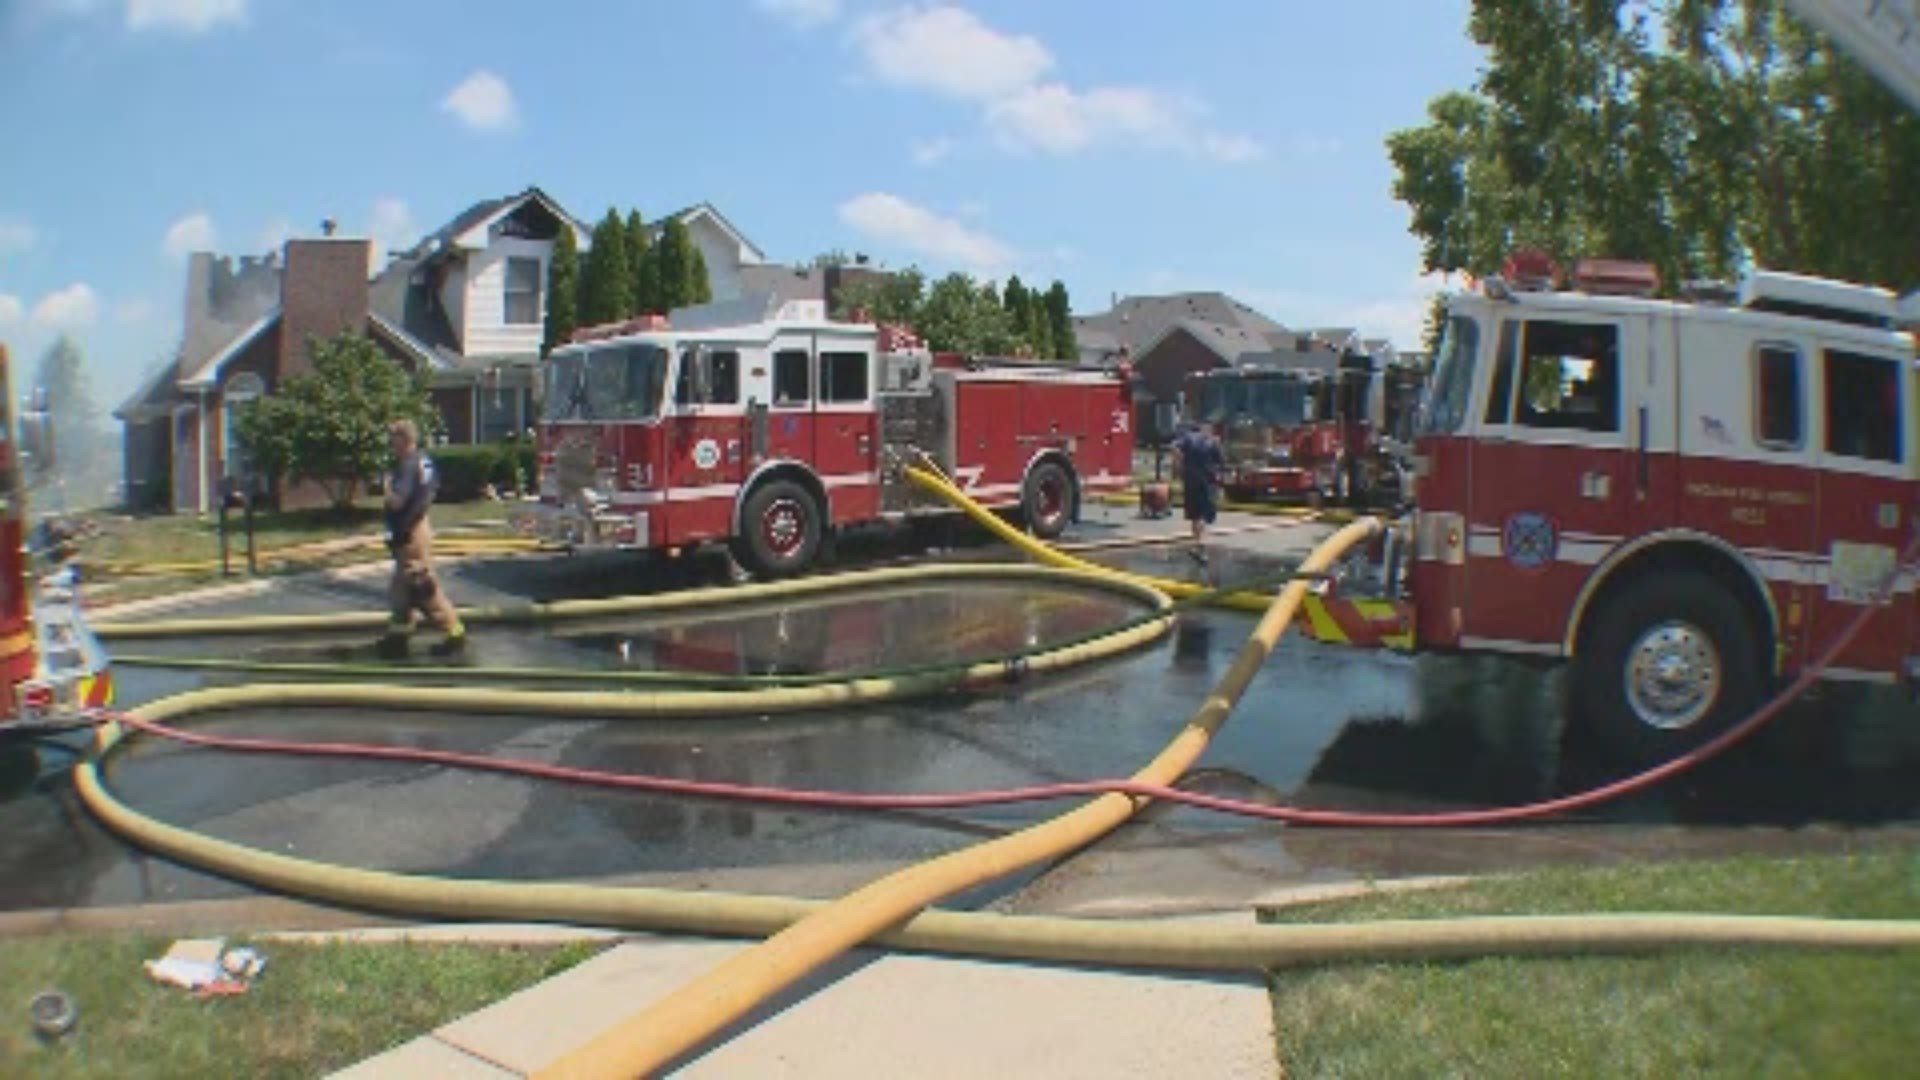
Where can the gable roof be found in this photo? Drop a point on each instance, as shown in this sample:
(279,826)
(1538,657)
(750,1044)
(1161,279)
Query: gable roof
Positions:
(1141,321)
(706,209)
(482,216)
(207,371)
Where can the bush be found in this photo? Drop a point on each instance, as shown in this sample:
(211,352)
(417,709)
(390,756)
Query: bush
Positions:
(465,471)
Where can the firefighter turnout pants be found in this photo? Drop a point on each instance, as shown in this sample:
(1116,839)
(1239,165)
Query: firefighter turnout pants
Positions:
(415,587)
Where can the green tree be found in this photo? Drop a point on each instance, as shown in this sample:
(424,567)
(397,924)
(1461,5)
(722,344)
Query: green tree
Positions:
(636,240)
(959,316)
(1020,315)
(563,289)
(1038,326)
(699,289)
(606,285)
(1060,322)
(895,298)
(1694,134)
(835,257)
(329,425)
(674,265)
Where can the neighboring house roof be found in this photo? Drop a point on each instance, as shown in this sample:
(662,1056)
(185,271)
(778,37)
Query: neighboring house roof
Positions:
(207,371)
(469,228)
(785,282)
(707,210)
(1094,342)
(1339,337)
(1141,321)
(404,298)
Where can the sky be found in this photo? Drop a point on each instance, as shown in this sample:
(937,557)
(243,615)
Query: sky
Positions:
(1143,147)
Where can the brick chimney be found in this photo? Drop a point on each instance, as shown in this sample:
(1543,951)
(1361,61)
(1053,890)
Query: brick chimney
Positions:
(323,293)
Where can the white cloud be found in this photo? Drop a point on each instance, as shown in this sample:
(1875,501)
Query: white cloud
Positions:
(72,308)
(892,220)
(189,16)
(10,310)
(802,13)
(1056,119)
(192,233)
(136,310)
(16,237)
(932,151)
(483,101)
(391,228)
(947,50)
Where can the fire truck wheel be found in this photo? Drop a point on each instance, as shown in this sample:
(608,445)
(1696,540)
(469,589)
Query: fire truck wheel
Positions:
(780,530)
(1047,499)
(1672,661)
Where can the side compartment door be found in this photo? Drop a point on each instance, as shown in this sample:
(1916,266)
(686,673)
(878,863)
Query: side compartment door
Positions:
(1553,473)
(1865,505)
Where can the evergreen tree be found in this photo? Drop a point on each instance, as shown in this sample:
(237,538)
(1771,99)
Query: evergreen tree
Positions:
(606,286)
(636,260)
(1060,322)
(698,287)
(563,289)
(1034,325)
(674,264)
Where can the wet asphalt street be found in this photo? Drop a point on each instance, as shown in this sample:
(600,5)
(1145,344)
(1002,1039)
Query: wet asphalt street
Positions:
(1321,726)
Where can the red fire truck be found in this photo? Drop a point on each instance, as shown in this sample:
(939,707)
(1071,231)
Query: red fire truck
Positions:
(1686,499)
(1294,432)
(765,427)
(54,668)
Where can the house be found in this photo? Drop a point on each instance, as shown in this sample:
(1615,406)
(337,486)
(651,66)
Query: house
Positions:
(467,305)
(729,255)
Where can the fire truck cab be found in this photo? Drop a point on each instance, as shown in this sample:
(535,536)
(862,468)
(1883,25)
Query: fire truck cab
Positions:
(766,427)
(1687,499)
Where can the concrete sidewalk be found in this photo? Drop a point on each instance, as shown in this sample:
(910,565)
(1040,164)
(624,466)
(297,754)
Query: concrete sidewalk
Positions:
(877,1014)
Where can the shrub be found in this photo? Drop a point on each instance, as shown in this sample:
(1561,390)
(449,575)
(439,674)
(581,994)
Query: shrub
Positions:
(464,471)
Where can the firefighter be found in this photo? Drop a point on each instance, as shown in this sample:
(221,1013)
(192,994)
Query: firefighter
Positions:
(1199,459)
(414,587)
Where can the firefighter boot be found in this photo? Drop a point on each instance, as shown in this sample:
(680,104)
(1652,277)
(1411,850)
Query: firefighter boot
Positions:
(392,645)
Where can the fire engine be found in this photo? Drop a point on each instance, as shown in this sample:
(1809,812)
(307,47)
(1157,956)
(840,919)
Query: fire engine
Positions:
(766,426)
(1686,499)
(55,670)
(1296,432)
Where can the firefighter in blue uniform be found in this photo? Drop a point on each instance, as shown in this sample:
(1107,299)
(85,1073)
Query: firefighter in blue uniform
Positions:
(414,586)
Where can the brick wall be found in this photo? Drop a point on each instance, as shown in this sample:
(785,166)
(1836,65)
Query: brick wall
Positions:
(1165,368)
(323,293)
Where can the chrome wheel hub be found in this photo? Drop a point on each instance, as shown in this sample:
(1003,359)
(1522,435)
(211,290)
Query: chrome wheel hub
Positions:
(1673,676)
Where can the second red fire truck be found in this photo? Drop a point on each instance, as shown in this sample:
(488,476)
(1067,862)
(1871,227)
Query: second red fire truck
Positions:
(765,427)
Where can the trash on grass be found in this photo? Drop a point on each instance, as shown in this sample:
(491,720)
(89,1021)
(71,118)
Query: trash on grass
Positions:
(207,968)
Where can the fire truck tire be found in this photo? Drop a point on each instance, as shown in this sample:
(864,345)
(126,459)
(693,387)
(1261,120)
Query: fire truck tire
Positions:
(1672,661)
(780,530)
(1046,498)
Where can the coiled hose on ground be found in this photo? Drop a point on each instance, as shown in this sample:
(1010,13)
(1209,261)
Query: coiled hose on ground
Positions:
(886,911)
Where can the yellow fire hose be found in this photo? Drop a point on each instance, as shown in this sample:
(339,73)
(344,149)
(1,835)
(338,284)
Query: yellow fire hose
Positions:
(889,912)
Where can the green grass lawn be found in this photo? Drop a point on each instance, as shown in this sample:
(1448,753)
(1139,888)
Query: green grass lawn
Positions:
(166,538)
(1716,1013)
(315,1008)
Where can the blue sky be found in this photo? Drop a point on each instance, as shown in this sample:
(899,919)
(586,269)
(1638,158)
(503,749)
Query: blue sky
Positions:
(1123,148)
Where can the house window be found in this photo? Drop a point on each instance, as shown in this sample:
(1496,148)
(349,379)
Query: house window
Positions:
(843,376)
(1863,406)
(1570,377)
(523,290)
(241,390)
(790,383)
(1777,423)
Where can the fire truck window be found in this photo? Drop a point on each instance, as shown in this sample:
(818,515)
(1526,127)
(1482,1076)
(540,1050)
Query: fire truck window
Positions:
(1570,378)
(725,386)
(843,376)
(790,383)
(1777,381)
(1863,406)
(1500,399)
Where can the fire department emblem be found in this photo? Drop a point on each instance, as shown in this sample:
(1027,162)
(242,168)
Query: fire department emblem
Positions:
(1530,540)
(706,454)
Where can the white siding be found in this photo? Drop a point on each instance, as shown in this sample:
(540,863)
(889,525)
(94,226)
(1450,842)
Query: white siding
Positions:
(723,257)
(487,333)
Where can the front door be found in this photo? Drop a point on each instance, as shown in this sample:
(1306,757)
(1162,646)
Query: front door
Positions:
(1552,473)
(1865,506)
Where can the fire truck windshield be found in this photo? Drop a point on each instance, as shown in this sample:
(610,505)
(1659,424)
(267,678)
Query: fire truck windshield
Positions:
(1446,409)
(613,382)
(1277,401)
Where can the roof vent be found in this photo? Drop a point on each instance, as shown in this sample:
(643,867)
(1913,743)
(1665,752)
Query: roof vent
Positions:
(1818,298)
